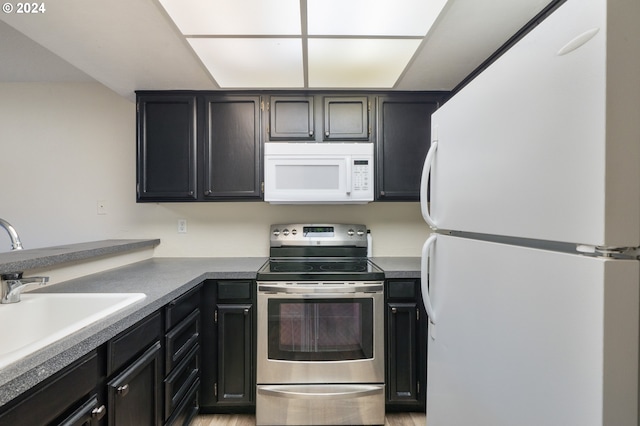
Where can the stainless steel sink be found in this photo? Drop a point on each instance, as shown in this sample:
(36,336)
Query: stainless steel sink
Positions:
(44,318)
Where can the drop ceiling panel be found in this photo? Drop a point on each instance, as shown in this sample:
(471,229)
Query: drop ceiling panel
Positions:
(252,62)
(369,17)
(358,63)
(235,17)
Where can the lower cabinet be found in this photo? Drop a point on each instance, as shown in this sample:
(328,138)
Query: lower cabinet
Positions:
(182,354)
(134,371)
(68,398)
(228,370)
(147,375)
(133,395)
(406,325)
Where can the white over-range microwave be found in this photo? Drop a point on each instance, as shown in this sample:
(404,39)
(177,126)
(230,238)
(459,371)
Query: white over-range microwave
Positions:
(318,173)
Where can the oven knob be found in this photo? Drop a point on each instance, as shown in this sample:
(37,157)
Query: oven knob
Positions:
(285,232)
(294,231)
(276,232)
(350,232)
(360,232)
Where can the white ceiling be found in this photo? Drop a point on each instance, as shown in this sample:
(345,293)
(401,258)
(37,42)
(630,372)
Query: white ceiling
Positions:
(133,45)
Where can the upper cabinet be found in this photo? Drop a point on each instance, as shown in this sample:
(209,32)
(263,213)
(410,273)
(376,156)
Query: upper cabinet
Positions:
(232,148)
(347,118)
(207,146)
(167,148)
(198,147)
(403,139)
(291,118)
(319,118)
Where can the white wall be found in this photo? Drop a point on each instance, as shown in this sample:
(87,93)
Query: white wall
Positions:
(64,147)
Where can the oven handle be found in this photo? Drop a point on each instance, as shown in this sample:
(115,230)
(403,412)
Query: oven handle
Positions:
(316,290)
(336,392)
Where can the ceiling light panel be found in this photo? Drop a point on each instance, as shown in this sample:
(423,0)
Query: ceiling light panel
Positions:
(369,17)
(358,63)
(235,17)
(252,62)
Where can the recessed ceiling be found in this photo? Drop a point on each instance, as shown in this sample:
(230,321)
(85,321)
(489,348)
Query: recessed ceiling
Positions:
(135,45)
(304,44)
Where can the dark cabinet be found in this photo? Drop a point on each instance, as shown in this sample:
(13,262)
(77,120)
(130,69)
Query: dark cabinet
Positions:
(134,370)
(406,346)
(291,118)
(182,357)
(134,394)
(232,151)
(404,137)
(167,148)
(67,398)
(228,373)
(196,146)
(346,118)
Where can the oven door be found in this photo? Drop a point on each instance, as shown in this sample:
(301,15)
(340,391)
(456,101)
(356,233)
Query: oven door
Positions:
(320,333)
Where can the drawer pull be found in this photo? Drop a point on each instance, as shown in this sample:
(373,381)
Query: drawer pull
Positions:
(99,412)
(123,390)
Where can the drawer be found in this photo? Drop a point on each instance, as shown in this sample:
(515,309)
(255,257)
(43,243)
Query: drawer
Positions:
(187,409)
(234,290)
(402,289)
(181,339)
(178,309)
(177,384)
(132,342)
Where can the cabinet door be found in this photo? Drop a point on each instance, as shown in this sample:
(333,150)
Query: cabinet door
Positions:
(404,137)
(167,148)
(232,148)
(235,349)
(402,352)
(134,394)
(291,118)
(346,118)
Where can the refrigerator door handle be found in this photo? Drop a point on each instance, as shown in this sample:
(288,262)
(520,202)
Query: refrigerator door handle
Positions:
(424,184)
(424,277)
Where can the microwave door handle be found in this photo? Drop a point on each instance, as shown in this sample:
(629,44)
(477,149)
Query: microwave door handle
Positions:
(349,187)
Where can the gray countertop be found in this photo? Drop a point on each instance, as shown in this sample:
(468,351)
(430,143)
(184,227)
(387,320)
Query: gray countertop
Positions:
(162,280)
(22,260)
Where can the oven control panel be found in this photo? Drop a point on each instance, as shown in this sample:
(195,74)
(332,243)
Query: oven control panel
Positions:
(299,234)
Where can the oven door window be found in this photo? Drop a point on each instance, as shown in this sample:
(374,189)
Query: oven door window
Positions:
(320,329)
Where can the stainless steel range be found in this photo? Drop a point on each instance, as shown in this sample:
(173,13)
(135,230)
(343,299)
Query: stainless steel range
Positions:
(320,328)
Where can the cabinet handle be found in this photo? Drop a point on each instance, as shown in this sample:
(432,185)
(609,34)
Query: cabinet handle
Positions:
(326,134)
(207,192)
(311,133)
(98,413)
(246,311)
(123,390)
(394,310)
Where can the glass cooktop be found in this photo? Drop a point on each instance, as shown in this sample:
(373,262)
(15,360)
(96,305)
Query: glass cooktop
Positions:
(322,268)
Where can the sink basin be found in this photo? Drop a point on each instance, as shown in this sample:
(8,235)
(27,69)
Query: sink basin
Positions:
(40,319)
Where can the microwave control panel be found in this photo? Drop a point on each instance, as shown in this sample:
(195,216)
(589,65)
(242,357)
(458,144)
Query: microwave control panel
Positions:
(361,175)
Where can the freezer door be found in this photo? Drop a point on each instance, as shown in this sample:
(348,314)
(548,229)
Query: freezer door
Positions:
(530,337)
(545,143)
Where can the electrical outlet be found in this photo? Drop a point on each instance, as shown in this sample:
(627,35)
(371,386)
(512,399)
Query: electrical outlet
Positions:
(101,207)
(182,226)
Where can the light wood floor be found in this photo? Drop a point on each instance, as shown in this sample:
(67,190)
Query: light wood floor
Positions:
(391,419)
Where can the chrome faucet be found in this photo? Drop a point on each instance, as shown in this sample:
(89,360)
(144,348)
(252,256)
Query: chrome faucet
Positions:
(13,285)
(15,240)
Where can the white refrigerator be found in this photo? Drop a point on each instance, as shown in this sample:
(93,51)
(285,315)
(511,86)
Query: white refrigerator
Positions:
(531,274)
